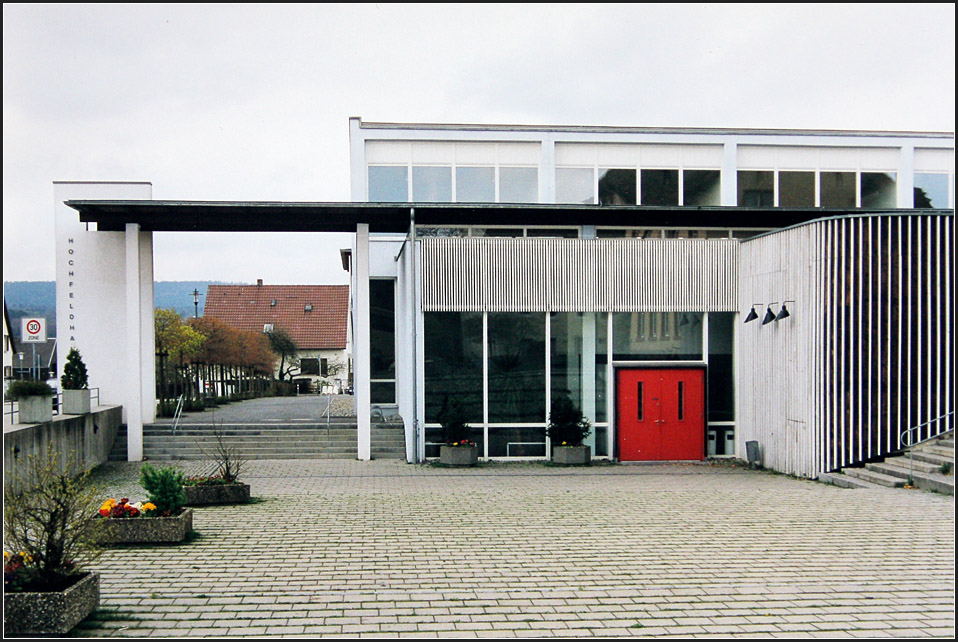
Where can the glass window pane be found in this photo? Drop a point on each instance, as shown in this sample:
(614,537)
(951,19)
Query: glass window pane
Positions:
(879,190)
(432,184)
(574,185)
(498,232)
(617,186)
(382,392)
(931,190)
(453,362)
(388,184)
(382,329)
(796,189)
(721,383)
(517,382)
(657,336)
(434,440)
(701,187)
(458,232)
(517,442)
(476,184)
(756,189)
(518,185)
(553,232)
(838,189)
(660,187)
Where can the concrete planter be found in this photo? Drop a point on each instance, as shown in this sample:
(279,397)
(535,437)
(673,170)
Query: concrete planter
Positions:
(146,530)
(571,455)
(458,455)
(35,410)
(76,402)
(50,613)
(216,494)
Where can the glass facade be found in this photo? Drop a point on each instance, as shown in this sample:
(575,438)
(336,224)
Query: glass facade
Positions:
(431,184)
(756,189)
(575,185)
(657,336)
(837,189)
(796,189)
(518,184)
(931,190)
(475,184)
(879,190)
(660,187)
(382,340)
(388,184)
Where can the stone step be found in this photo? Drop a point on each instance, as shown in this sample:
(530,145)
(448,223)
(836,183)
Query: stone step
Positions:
(896,464)
(875,477)
(932,458)
(924,479)
(948,453)
(846,481)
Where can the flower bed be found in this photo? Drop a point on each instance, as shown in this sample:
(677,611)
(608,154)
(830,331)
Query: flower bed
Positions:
(50,612)
(214,490)
(463,453)
(126,523)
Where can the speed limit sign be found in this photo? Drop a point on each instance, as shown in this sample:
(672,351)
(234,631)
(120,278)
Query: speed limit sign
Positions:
(33,330)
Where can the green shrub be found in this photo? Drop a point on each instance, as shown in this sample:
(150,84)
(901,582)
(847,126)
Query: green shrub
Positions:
(21,389)
(74,372)
(48,523)
(164,487)
(567,426)
(452,418)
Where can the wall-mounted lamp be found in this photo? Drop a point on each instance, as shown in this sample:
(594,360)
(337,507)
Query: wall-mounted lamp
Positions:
(769,315)
(783,312)
(752,314)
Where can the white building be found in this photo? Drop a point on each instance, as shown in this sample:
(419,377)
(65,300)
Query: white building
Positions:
(620,267)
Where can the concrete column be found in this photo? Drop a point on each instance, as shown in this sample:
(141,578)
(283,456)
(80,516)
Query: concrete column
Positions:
(906,177)
(133,399)
(147,338)
(361,361)
(730,174)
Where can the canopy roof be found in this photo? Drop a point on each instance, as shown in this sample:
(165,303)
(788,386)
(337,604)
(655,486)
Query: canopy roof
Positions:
(236,216)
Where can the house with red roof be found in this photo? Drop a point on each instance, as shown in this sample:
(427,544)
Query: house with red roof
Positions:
(315,317)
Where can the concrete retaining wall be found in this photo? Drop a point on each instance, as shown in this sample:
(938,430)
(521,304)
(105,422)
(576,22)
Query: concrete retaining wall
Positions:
(88,437)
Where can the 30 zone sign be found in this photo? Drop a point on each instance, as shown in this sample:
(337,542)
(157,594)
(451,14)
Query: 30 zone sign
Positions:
(34,330)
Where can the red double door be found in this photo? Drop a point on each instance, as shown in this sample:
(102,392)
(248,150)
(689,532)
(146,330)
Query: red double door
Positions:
(660,414)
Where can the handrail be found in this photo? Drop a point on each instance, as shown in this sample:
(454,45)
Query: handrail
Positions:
(906,436)
(906,442)
(177,413)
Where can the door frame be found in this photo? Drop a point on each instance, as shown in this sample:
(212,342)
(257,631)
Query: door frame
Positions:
(656,365)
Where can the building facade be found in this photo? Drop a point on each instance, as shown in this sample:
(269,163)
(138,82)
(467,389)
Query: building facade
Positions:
(630,294)
(692,290)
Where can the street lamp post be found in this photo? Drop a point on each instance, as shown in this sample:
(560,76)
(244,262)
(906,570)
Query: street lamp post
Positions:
(196,303)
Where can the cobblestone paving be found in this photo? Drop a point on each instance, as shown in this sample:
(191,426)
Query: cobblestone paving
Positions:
(383,548)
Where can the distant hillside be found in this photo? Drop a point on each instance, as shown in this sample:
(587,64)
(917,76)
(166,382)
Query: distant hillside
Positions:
(38,299)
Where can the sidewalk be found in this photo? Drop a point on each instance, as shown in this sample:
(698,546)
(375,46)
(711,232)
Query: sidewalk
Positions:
(346,548)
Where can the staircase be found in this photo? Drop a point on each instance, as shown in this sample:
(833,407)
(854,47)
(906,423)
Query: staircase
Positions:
(925,464)
(267,441)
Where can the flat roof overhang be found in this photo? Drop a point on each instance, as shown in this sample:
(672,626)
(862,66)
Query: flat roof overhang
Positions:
(234,216)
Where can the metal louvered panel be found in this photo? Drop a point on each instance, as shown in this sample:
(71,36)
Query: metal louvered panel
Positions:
(578,275)
(867,351)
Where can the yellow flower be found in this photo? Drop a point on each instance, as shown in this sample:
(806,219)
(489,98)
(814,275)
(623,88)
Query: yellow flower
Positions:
(149,506)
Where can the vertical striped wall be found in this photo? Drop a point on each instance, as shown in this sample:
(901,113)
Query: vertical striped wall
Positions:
(868,349)
(578,275)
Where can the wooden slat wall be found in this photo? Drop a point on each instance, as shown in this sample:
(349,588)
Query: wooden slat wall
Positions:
(867,351)
(578,275)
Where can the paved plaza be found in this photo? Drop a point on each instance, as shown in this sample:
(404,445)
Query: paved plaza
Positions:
(383,548)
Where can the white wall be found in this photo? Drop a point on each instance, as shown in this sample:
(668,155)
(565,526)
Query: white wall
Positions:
(92,299)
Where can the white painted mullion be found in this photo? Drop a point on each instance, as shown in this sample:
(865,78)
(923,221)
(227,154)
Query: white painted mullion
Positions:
(868,332)
(485,383)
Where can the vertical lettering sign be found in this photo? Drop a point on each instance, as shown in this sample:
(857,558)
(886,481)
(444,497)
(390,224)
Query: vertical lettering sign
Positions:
(33,330)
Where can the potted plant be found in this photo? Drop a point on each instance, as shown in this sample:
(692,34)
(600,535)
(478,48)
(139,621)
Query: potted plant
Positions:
(48,527)
(162,519)
(458,449)
(566,430)
(76,394)
(35,406)
(222,485)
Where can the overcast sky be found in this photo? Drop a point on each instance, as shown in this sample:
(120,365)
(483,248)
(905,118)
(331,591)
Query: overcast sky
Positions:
(252,102)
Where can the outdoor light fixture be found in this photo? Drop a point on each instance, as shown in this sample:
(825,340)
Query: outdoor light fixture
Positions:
(783,312)
(752,314)
(769,315)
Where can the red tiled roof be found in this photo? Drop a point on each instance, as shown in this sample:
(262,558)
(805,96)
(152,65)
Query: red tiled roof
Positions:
(250,307)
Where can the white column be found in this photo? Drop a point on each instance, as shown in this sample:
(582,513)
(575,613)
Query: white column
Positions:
(147,338)
(362,366)
(730,174)
(906,177)
(133,397)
